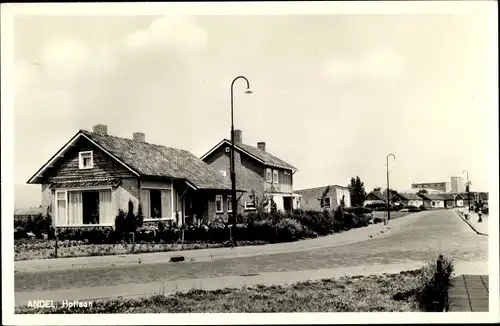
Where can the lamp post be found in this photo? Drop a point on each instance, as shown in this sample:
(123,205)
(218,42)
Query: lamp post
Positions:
(388,195)
(467,187)
(233,174)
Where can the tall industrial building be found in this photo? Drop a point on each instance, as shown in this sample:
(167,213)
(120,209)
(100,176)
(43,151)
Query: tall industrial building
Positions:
(457,184)
(439,186)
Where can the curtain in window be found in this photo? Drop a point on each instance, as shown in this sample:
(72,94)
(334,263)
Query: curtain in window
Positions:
(75,208)
(61,212)
(145,203)
(166,203)
(105,211)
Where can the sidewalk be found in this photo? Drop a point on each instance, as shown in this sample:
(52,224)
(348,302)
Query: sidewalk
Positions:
(351,236)
(469,293)
(170,287)
(479,228)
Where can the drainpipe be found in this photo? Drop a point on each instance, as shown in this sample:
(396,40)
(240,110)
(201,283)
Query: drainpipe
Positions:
(183,219)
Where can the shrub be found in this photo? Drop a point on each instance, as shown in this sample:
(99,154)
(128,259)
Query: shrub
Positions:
(423,208)
(377,220)
(288,229)
(414,209)
(435,281)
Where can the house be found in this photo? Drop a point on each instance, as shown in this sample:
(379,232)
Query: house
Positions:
(311,198)
(375,197)
(95,174)
(432,200)
(411,199)
(452,200)
(257,171)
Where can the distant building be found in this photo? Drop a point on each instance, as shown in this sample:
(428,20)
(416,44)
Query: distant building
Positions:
(311,198)
(439,186)
(457,184)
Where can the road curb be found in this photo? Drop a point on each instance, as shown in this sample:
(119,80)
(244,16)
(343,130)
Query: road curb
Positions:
(471,226)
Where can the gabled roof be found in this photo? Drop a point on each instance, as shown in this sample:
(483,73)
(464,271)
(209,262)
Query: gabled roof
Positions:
(377,194)
(430,196)
(257,154)
(410,196)
(150,160)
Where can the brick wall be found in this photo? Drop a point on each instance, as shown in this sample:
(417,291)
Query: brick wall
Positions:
(249,173)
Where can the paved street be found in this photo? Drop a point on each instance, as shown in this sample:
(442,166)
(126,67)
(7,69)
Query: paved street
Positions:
(419,238)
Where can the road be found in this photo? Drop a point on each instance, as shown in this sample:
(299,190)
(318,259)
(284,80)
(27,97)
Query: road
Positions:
(422,238)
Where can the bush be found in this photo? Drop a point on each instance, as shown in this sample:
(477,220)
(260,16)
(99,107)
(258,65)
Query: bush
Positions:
(414,209)
(89,235)
(377,220)
(423,208)
(289,230)
(38,225)
(432,295)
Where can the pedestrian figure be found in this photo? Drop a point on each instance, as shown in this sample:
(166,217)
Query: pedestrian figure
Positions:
(479,213)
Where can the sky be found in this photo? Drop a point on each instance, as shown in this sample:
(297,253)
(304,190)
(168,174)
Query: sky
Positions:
(333,94)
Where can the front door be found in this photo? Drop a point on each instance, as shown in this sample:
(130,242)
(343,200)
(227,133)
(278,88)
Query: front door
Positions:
(287,204)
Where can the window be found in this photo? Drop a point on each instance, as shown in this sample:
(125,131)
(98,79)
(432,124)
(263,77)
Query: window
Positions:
(87,207)
(269,175)
(86,160)
(218,204)
(275,176)
(249,205)
(157,203)
(61,204)
(229,204)
(326,202)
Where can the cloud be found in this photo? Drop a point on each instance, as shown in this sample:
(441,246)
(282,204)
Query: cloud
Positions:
(377,64)
(63,58)
(180,32)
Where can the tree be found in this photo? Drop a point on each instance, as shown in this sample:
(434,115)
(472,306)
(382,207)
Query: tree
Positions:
(377,189)
(393,198)
(422,191)
(357,191)
(323,196)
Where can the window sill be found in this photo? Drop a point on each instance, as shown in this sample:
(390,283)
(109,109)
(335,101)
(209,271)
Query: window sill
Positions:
(250,209)
(159,219)
(86,168)
(84,225)
(221,212)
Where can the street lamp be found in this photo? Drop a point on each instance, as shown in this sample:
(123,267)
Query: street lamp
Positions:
(467,188)
(233,175)
(387,165)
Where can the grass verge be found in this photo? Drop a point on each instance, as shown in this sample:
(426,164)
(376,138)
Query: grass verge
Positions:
(409,291)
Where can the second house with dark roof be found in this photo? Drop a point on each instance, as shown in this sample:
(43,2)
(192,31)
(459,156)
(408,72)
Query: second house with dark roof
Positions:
(256,170)
(95,174)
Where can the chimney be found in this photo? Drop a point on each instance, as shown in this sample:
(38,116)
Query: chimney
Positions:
(261,145)
(139,136)
(238,137)
(101,129)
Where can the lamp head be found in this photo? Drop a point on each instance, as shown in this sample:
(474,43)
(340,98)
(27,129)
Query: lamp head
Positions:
(248,91)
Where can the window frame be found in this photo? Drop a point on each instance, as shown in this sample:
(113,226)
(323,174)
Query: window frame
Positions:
(276,180)
(217,198)
(149,218)
(329,202)
(251,207)
(66,192)
(269,175)
(81,160)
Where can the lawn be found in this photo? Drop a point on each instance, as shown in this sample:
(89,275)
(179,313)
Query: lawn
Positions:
(44,249)
(394,214)
(387,292)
